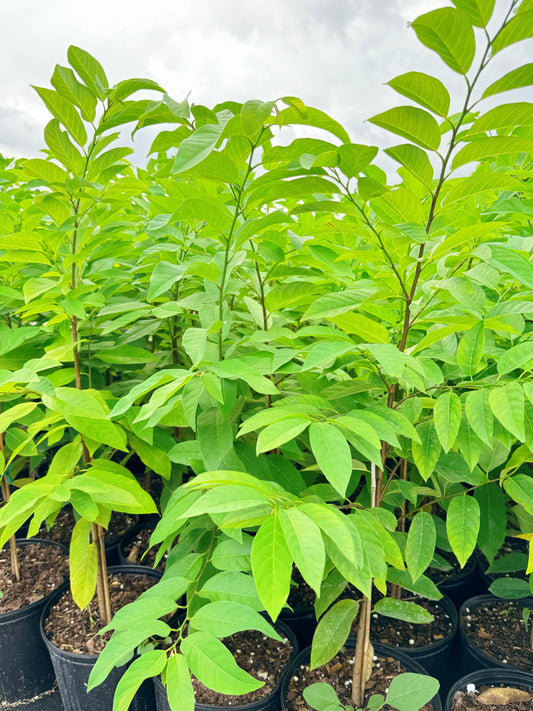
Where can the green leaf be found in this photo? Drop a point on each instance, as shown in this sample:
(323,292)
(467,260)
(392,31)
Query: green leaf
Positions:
(479,414)
(493,518)
(146,666)
(518,28)
(127,355)
(420,545)
(414,159)
(515,79)
(332,453)
(15,413)
(62,149)
(512,263)
(89,70)
(214,665)
(478,12)
(278,433)
(64,112)
(272,565)
(215,437)
(510,588)
(424,89)
(83,558)
(66,84)
(305,544)
(322,696)
(194,342)
(520,488)
(403,610)
(253,116)
(336,527)
(462,526)
(412,123)
(447,418)
(199,145)
(426,452)
(223,618)
(504,117)
(409,692)
(234,586)
(519,356)
(128,87)
(507,404)
(471,349)
(48,171)
(309,116)
(332,631)
(224,499)
(448,32)
(490,147)
(366,328)
(180,690)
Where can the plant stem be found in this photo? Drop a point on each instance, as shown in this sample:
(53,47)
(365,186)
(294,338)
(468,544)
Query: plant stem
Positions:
(15,564)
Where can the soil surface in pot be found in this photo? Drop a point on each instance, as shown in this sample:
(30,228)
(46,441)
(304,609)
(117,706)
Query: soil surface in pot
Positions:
(301,594)
(75,630)
(264,658)
(42,569)
(498,629)
(61,530)
(135,550)
(398,633)
(338,672)
(448,566)
(480,700)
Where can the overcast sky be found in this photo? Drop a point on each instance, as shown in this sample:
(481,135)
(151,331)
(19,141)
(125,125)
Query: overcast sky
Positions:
(334,54)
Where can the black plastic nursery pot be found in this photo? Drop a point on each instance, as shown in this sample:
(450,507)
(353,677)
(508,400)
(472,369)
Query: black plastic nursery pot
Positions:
(72,670)
(271,702)
(25,670)
(471,657)
(462,585)
(407,662)
(434,658)
(490,677)
(486,579)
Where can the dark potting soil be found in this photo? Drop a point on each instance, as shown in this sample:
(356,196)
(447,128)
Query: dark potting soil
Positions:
(398,633)
(338,672)
(264,658)
(301,594)
(75,630)
(42,569)
(137,551)
(61,530)
(498,629)
(480,699)
(449,567)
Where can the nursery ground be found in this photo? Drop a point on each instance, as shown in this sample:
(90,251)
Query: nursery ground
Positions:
(48,701)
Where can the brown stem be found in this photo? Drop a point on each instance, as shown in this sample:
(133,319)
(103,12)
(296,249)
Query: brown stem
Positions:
(102,586)
(15,564)
(362,659)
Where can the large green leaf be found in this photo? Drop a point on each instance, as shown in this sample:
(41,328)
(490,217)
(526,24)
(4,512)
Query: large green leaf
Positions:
(62,148)
(479,12)
(215,437)
(507,404)
(462,526)
(412,123)
(223,618)
(479,414)
(332,453)
(520,27)
(332,631)
(146,666)
(180,690)
(214,665)
(278,433)
(234,586)
(89,70)
(410,692)
(420,544)
(305,544)
(64,112)
(403,610)
(426,452)
(504,117)
(66,84)
(515,79)
(414,159)
(471,349)
(426,90)
(253,116)
(511,262)
(196,147)
(447,418)
(490,147)
(493,518)
(272,565)
(520,488)
(83,564)
(448,32)
(518,356)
